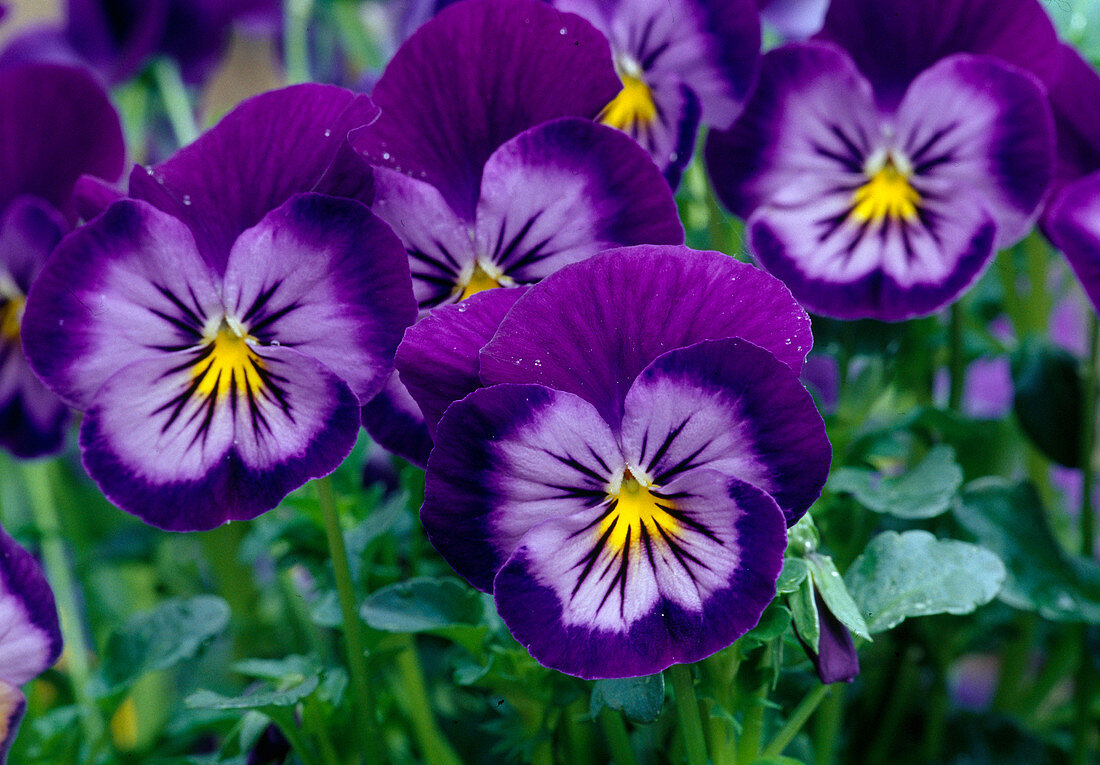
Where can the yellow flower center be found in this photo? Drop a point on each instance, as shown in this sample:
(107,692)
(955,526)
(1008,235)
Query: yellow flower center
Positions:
(888,194)
(11,314)
(229,363)
(638,512)
(485,276)
(633,106)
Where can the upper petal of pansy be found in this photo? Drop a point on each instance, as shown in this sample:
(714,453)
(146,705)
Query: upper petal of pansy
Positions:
(116,38)
(440,245)
(13,705)
(438,357)
(565,190)
(592,327)
(192,439)
(657,576)
(30,642)
(394,420)
(267,149)
(506,459)
(793,19)
(730,406)
(892,41)
(973,126)
(326,277)
(806,130)
(1073,224)
(712,47)
(476,75)
(56,124)
(129,285)
(1075,100)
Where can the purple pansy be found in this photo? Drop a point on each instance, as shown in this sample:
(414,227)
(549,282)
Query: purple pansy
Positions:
(623,481)
(1073,224)
(222,328)
(793,19)
(494,175)
(680,62)
(56,124)
(836,659)
(883,214)
(30,642)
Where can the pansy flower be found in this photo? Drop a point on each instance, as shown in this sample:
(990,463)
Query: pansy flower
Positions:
(867,203)
(56,124)
(623,483)
(793,19)
(30,642)
(1073,225)
(222,328)
(680,62)
(492,172)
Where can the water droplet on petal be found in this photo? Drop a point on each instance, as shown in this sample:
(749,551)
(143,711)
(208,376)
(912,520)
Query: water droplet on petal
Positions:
(187,199)
(561,31)
(327,132)
(385,155)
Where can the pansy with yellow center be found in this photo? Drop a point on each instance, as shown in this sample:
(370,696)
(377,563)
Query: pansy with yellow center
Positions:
(681,63)
(880,205)
(623,474)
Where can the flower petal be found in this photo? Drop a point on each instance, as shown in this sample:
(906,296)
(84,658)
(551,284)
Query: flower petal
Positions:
(30,642)
(57,125)
(674,595)
(13,705)
(892,41)
(267,149)
(440,122)
(561,192)
(122,288)
(508,458)
(394,420)
(438,358)
(1073,224)
(592,327)
(729,406)
(326,277)
(1075,99)
(186,460)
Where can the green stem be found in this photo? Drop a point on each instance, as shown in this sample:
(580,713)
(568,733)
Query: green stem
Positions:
(315,722)
(797,719)
(614,730)
(896,706)
(691,724)
(296,15)
(177,104)
(434,747)
(353,634)
(752,725)
(956,361)
(1014,663)
(827,728)
(36,476)
(1086,682)
(285,722)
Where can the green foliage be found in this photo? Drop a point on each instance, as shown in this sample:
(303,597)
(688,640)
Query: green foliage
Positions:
(923,491)
(639,698)
(1048,399)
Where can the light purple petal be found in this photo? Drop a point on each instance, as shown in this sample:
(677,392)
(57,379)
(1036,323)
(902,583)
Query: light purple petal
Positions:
(729,406)
(592,327)
(182,459)
(42,44)
(13,705)
(508,458)
(892,41)
(394,420)
(1075,99)
(1073,224)
(120,289)
(30,642)
(592,605)
(91,196)
(711,46)
(326,277)
(474,76)
(267,149)
(438,357)
(57,125)
(793,19)
(565,190)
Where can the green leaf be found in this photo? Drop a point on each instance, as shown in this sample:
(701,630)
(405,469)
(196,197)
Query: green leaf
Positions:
(794,571)
(835,594)
(260,700)
(773,623)
(924,491)
(423,605)
(1009,519)
(911,574)
(277,669)
(639,698)
(1048,401)
(171,633)
(807,622)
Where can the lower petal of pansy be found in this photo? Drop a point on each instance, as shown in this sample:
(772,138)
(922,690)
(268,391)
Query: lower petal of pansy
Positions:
(729,406)
(225,432)
(32,419)
(1073,224)
(13,705)
(565,190)
(394,420)
(655,576)
(327,278)
(508,458)
(30,641)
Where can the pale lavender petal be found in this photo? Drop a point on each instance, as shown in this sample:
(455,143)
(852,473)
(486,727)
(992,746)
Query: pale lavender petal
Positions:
(1073,224)
(13,705)
(30,641)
